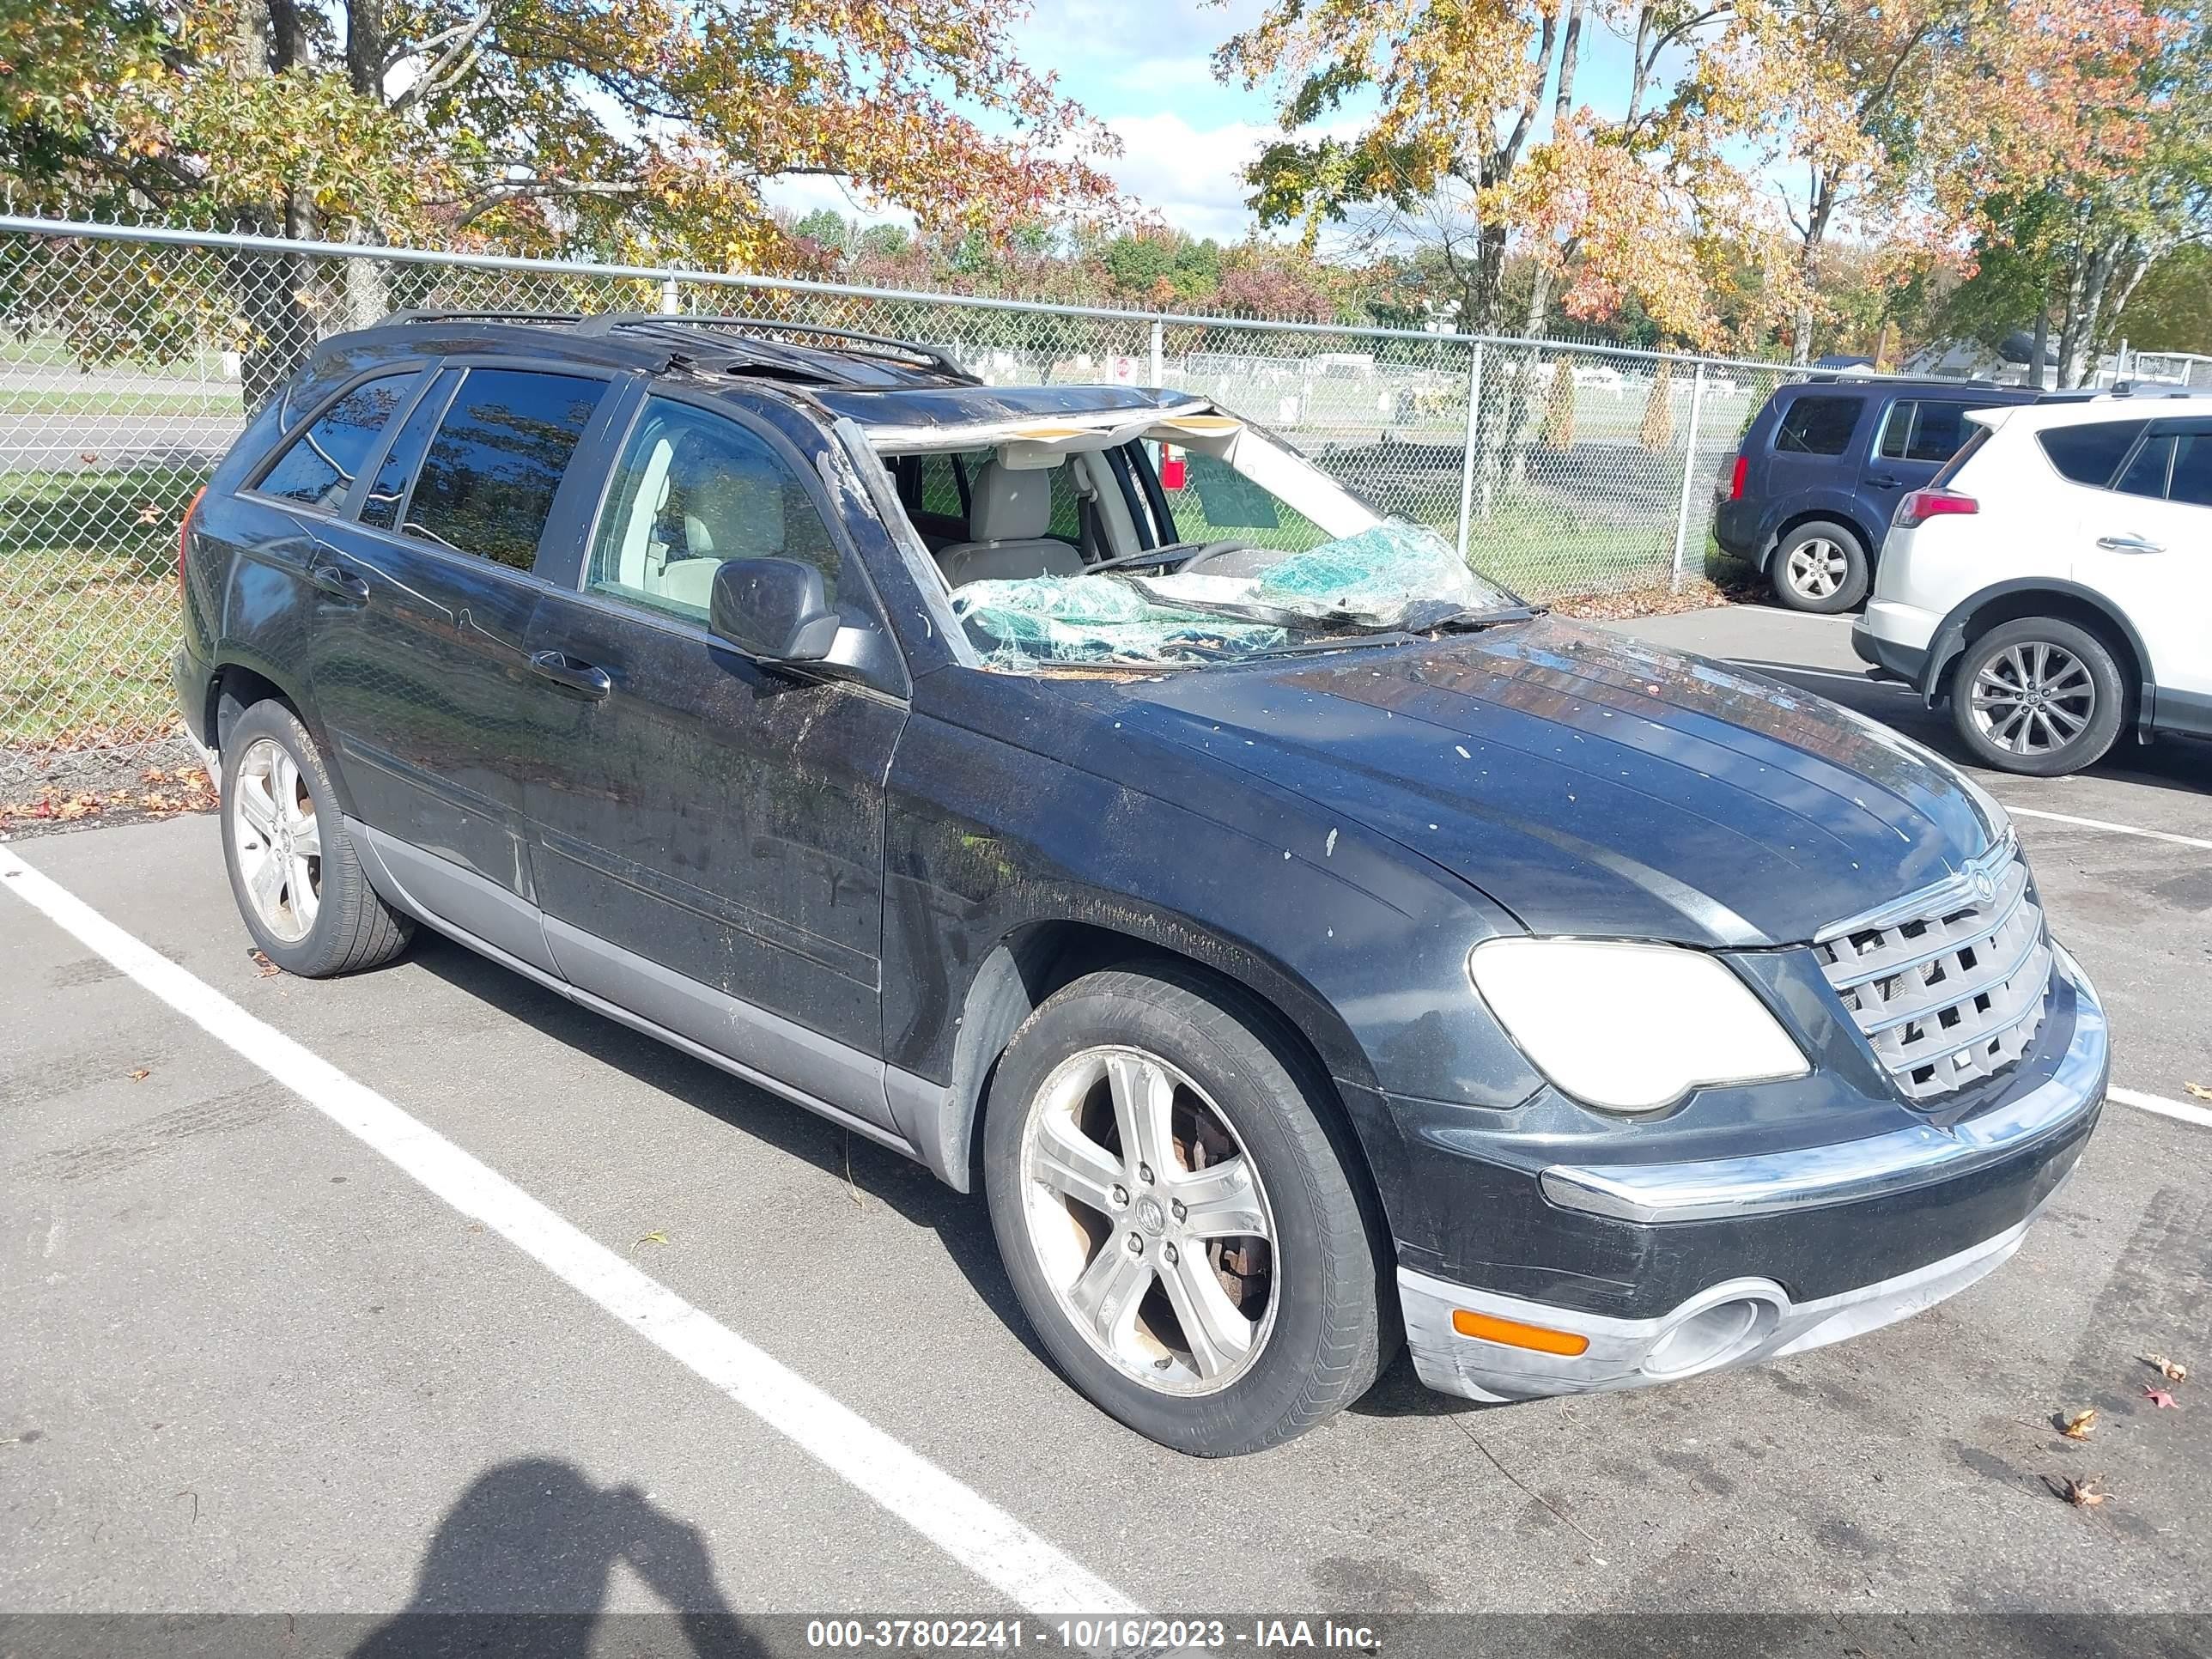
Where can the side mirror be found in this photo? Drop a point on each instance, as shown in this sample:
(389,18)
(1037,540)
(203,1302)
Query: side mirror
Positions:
(772,608)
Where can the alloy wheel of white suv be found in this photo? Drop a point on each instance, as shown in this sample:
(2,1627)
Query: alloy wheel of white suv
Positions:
(2037,695)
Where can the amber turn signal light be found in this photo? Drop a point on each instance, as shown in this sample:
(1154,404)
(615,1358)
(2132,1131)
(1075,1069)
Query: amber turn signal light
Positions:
(1514,1334)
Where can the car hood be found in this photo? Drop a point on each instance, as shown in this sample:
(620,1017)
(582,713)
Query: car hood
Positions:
(1592,784)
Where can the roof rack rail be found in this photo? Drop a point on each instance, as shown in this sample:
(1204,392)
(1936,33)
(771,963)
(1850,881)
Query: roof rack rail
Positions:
(886,345)
(464,315)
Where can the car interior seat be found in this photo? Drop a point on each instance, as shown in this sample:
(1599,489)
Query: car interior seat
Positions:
(1007,514)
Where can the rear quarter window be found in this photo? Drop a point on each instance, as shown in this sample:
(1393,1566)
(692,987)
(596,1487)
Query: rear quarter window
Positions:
(318,466)
(1818,426)
(2091,452)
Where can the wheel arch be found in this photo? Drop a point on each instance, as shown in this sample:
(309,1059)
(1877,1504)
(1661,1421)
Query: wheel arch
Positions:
(1038,958)
(2034,596)
(1836,512)
(239,680)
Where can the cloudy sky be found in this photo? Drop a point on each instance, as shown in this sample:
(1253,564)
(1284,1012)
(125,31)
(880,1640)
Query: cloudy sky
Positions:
(1142,67)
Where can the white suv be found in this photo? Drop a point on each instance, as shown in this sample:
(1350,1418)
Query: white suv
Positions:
(2055,581)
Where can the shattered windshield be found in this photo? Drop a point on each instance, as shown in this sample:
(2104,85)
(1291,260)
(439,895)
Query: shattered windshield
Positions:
(1189,540)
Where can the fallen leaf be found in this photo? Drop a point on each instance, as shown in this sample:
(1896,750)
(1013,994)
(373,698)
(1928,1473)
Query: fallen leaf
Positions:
(267,967)
(2171,1369)
(656,1236)
(2079,1424)
(2084,1494)
(2198,1090)
(140,1074)
(2160,1399)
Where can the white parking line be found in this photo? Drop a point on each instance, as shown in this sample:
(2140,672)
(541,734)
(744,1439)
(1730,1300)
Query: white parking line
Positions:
(982,1537)
(2162,1106)
(2111,829)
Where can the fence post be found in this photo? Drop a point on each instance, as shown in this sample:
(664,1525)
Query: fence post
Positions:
(668,303)
(1689,474)
(1159,364)
(1466,461)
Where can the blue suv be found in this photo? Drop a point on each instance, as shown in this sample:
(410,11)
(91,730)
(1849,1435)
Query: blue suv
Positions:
(1808,494)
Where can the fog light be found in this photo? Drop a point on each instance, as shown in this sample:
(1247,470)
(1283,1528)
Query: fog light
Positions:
(1709,1335)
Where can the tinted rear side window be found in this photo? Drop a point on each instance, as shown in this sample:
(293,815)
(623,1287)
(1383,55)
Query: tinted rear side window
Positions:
(1923,430)
(389,487)
(2090,453)
(488,482)
(2192,470)
(319,465)
(1819,426)
(2145,473)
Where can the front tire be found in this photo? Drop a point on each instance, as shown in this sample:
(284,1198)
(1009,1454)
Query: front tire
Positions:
(293,872)
(2037,696)
(1821,567)
(1176,1211)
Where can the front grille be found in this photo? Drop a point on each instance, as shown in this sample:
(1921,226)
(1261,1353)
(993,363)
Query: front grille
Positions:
(1949,986)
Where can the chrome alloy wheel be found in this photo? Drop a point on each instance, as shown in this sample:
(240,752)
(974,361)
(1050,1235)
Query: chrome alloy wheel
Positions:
(1817,567)
(2034,698)
(1148,1220)
(279,842)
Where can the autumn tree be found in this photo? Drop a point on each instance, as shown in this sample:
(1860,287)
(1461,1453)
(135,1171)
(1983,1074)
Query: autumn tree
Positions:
(1898,119)
(2171,309)
(1472,139)
(642,128)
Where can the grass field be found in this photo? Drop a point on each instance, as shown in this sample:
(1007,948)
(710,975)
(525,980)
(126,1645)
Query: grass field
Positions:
(87,606)
(214,398)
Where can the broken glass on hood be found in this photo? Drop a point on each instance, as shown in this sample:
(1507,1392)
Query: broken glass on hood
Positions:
(1391,576)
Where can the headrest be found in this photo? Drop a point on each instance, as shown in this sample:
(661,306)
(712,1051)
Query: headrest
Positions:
(737,503)
(1006,506)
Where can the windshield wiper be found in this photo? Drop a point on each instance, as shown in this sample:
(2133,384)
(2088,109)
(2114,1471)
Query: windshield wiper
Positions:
(1305,648)
(1471,621)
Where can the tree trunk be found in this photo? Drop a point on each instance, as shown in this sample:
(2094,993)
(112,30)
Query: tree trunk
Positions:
(2042,344)
(1817,214)
(1563,103)
(2081,360)
(1635,70)
(365,47)
(272,288)
(2070,320)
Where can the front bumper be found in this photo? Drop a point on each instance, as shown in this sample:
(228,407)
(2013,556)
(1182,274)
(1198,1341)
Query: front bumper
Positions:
(2025,1147)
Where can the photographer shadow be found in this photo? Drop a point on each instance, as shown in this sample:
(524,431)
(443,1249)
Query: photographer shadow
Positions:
(520,1564)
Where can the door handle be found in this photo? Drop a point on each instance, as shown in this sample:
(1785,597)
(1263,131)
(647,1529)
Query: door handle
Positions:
(2129,545)
(1883,481)
(338,581)
(562,669)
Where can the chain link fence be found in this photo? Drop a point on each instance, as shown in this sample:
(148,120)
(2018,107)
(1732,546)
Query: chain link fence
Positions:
(130,357)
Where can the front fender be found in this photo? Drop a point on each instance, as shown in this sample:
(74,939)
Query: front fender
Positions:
(1361,948)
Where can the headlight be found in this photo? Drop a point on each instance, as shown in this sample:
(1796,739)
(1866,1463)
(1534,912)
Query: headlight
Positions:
(1630,1027)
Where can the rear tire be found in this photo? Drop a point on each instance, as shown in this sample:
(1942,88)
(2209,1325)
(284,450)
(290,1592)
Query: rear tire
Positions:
(293,872)
(1220,1287)
(2037,696)
(1820,568)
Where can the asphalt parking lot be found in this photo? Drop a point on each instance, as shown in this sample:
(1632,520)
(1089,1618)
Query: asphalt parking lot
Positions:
(260,1359)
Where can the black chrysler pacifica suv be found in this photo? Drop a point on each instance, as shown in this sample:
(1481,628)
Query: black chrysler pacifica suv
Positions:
(1305,945)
